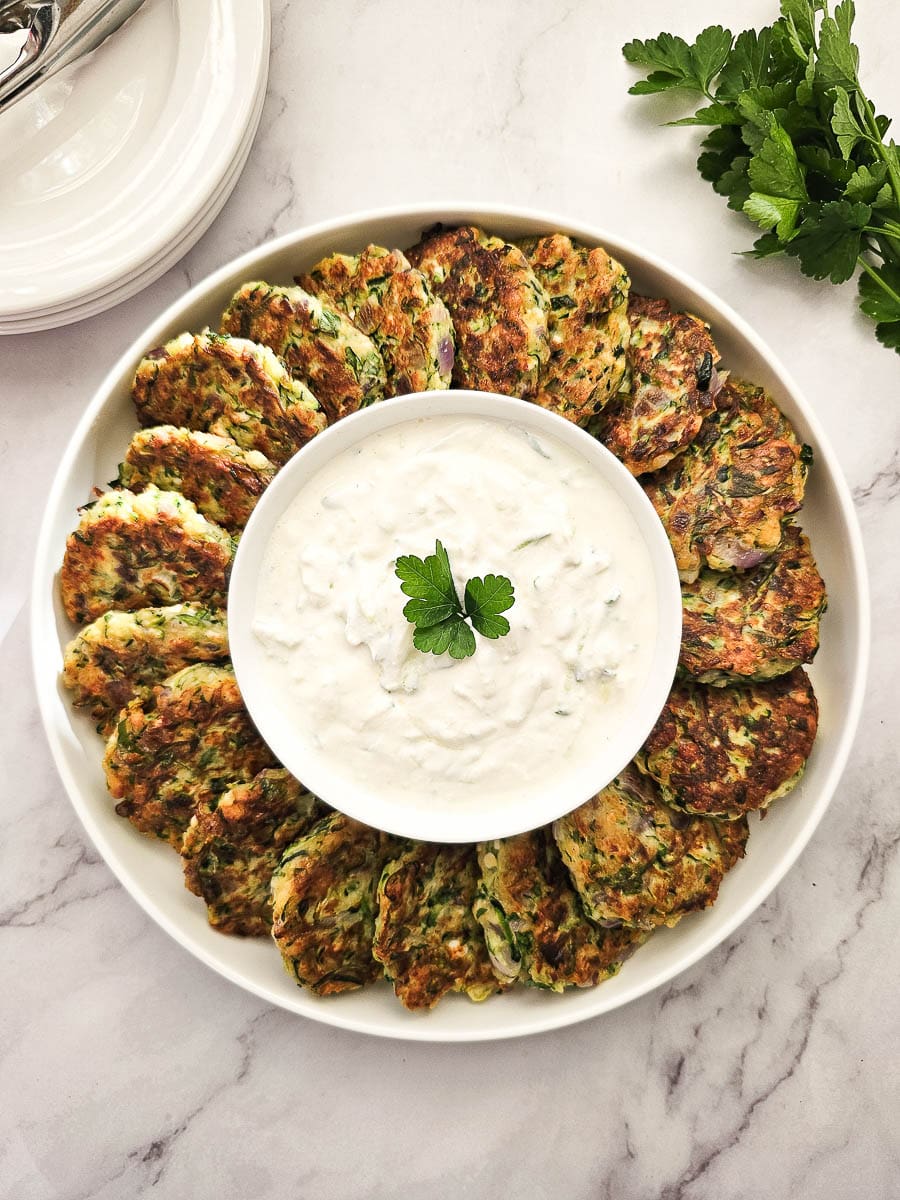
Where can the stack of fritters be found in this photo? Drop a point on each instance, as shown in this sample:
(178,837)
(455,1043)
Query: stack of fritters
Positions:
(739,724)
(352,904)
(547,320)
(315,340)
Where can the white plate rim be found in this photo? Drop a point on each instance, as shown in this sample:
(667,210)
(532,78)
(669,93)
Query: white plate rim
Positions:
(45,657)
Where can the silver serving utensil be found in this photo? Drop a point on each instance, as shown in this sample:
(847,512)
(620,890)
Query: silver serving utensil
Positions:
(58,33)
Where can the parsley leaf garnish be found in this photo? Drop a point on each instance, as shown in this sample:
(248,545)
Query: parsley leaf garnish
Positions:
(486,599)
(442,623)
(795,144)
(430,583)
(452,635)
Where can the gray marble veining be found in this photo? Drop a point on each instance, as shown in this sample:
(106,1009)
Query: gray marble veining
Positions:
(127,1069)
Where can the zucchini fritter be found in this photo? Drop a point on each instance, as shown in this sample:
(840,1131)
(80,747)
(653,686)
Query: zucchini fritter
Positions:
(121,655)
(426,936)
(234,843)
(227,386)
(533,922)
(754,625)
(135,551)
(391,302)
(318,343)
(588,321)
(638,863)
(724,500)
(224,481)
(722,752)
(323,904)
(670,389)
(499,308)
(188,744)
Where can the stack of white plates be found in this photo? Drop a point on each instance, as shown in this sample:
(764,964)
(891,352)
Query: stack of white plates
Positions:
(114,168)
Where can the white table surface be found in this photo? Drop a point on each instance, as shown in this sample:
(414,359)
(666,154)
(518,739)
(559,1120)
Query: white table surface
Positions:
(771,1067)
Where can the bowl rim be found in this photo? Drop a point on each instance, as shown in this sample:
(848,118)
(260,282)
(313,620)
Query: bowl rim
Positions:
(45,656)
(448,821)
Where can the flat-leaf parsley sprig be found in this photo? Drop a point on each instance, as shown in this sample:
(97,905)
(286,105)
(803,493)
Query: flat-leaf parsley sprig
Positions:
(795,144)
(442,623)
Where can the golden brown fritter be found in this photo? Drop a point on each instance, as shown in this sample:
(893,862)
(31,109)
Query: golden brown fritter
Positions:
(499,308)
(191,742)
(533,922)
(723,752)
(671,387)
(426,935)
(323,904)
(638,863)
(318,343)
(224,481)
(137,551)
(588,320)
(391,302)
(724,500)
(121,655)
(227,386)
(753,625)
(234,843)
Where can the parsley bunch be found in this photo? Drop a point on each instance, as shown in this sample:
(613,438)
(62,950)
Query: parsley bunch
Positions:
(442,623)
(795,144)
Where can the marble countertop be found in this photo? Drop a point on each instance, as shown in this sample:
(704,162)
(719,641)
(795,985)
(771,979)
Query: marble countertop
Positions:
(127,1067)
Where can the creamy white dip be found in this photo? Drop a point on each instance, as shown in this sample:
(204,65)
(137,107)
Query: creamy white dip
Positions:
(506,722)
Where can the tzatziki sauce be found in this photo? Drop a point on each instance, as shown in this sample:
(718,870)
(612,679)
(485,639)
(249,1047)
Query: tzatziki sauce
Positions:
(525,708)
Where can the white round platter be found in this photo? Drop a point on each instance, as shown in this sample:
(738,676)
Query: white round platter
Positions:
(152,873)
(105,168)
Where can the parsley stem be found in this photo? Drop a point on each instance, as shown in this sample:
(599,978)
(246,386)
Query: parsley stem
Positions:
(881,150)
(873,274)
(888,229)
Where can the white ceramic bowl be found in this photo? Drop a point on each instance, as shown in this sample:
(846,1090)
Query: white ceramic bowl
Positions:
(152,873)
(442,818)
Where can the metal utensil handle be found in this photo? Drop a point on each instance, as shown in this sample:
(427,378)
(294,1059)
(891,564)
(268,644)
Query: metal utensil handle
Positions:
(59,32)
(41,21)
